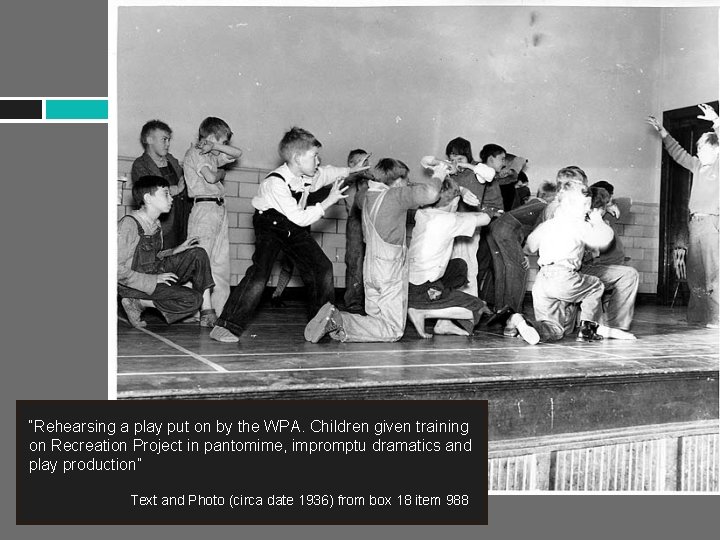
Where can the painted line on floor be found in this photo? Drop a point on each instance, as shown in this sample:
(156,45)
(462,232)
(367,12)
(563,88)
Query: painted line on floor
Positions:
(395,366)
(337,352)
(186,352)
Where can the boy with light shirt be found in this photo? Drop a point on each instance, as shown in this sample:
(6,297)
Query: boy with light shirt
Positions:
(280,222)
(208,219)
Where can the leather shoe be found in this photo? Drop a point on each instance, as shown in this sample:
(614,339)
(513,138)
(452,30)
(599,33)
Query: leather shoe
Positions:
(501,316)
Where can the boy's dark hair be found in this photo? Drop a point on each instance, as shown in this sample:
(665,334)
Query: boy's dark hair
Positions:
(296,141)
(353,154)
(147,185)
(709,137)
(607,186)
(149,127)
(491,150)
(571,174)
(214,126)
(460,147)
(547,191)
(388,170)
(600,197)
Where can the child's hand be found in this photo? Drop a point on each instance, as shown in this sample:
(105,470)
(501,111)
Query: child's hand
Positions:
(525,263)
(336,193)
(359,167)
(223,159)
(657,125)
(613,210)
(469,197)
(187,244)
(168,278)
(205,146)
(708,114)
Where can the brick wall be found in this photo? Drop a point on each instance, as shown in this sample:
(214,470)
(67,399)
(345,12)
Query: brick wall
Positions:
(638,228)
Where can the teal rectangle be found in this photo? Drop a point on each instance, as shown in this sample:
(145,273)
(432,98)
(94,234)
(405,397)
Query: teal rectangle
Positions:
(76,109)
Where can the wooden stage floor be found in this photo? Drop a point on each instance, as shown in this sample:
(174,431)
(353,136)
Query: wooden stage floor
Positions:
(273,361)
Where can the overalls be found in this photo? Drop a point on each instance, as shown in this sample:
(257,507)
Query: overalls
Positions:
(385,276)
(175,302)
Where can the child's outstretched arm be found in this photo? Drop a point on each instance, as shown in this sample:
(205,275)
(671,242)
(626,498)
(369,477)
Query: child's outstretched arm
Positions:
(676,151)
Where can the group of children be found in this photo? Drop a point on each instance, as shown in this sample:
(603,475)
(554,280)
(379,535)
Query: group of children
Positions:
(466,250)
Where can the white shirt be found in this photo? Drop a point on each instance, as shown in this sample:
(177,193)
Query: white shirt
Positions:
(276,193)
(432,241)
(562,240)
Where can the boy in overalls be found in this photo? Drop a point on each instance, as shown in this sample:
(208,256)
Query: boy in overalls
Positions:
(385,270)
(281,221)
(147,275)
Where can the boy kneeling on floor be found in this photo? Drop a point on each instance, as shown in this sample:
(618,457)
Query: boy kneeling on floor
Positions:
(149,276)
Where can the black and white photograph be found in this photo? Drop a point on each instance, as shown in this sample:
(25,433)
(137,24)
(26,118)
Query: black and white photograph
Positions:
(469,201)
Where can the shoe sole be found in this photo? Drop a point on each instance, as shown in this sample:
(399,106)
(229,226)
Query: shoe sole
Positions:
(315,329)
(528,333)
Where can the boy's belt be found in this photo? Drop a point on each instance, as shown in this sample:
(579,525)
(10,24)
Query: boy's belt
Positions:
(217,200)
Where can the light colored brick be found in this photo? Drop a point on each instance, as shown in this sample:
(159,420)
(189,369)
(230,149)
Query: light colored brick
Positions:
(338,269)
(650,231)
(231,189)
(244,176)
(244,251)
(244,221)
(120,212)
(331,240)
(645,243)
(324,226)
(239,267)
(239,204)
(232,220)
(643,219)
(633,230)
(127,198)
(247,190)
(635,253)
(341,224)
(242,236)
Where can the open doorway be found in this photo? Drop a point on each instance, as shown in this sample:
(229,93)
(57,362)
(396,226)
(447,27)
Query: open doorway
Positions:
(675,186)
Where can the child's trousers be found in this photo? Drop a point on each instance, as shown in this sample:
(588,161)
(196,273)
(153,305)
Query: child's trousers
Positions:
(208,221)
(354,257)
(555,291)
(621,286)
(176,302)
(275,232)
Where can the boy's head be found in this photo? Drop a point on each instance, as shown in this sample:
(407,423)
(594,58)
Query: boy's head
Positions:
(547,192)
(607,186)
(356,156)
(573,201)
(299,149)
(155,137)
(572,175)
(493,155)
(152,191)
(707,148)
(215,129)
(600,197)
(449,194)
(390,172)
(459,151)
